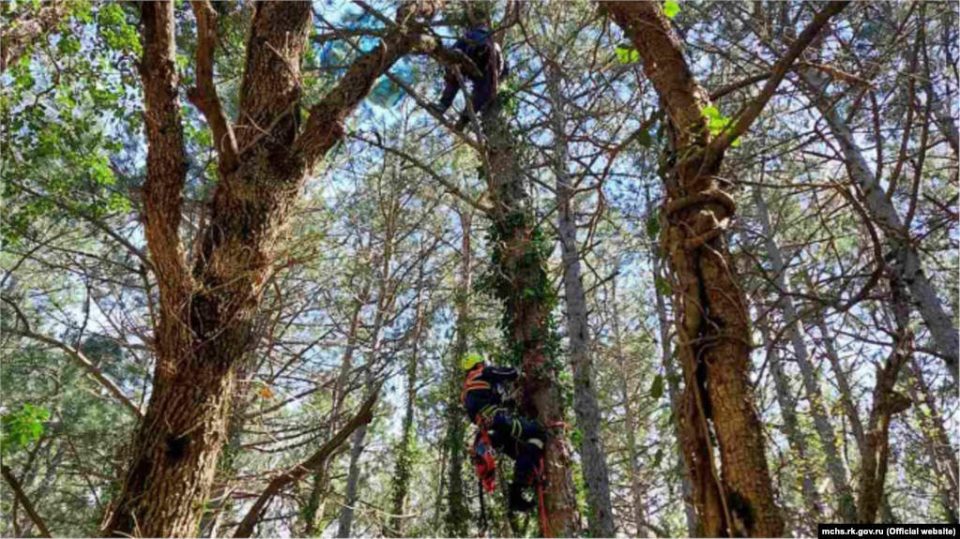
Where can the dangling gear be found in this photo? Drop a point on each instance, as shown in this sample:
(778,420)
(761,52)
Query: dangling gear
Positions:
(517,502)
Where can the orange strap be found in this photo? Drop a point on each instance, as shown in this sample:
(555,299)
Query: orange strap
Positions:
(544,520)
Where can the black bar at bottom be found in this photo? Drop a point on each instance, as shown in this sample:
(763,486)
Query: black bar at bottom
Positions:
(831,531)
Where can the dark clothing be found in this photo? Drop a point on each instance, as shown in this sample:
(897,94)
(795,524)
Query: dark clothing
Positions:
(479,46)
(510,433)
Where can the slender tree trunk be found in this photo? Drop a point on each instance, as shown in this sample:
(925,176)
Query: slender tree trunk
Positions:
(458,514)
(840,375)
(315,506)
(886,403)
(943,458)
(846,505)
(592,455)
(630,423)
(795,436)
(882,211)
(712,327)
(404,450)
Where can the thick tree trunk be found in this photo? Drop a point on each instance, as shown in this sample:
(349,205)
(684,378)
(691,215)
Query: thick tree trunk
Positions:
(791,427)
(882,211)
(206,314)
(593,458)
(458,514)
(520,282)
(846,505)
(713,328)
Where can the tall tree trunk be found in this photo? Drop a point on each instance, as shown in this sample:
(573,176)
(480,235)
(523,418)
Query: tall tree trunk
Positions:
(458,514)
(846,505)
(713,327)
(630,422)
(882,211)
(795,436)
(519,280)
(886,403)
(593,458)
(207,312)
(943,458)
(315,506)
(404,450)
(840,375)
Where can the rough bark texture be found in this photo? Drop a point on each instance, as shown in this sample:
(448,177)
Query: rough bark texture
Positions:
(206,314)
(713,329)
(593,458)
(882,211)
(846,505)
(522,285)
(457,516)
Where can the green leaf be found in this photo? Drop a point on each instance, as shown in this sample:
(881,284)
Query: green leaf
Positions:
(644,139)
(671,8)
(663,286)
(626,54)
(658,457)
(656,388)
(653,226)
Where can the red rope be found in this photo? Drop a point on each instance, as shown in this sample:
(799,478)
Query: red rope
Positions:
(544,520)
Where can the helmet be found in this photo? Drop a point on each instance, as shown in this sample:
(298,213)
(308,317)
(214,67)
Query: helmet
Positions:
(470,361)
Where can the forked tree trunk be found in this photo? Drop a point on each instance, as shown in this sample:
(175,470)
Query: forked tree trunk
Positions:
(206,312)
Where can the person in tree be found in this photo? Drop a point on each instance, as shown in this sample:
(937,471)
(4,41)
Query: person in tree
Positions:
(510,433)
(478,44)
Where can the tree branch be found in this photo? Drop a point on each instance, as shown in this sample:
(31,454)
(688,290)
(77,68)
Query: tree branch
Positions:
(19,36)
(750,112)
(95,372)
(314,462)
(204,94)
(18,492)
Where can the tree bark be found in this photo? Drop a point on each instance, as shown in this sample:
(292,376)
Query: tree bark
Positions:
(713,328)
(27,505)
(846,505)
(458,514)
(520,282)
(593,458)
(206,314)
(886,403)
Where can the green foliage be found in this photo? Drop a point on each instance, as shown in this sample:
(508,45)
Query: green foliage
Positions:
(671,8)
(656,388)
(663,286)
(718,123)
(653,226)
(626,53)
(22,427)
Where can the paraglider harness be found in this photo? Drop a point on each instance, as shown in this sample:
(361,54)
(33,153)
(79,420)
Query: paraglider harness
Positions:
(483,456)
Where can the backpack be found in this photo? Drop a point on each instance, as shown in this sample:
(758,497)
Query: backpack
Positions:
(484,463)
